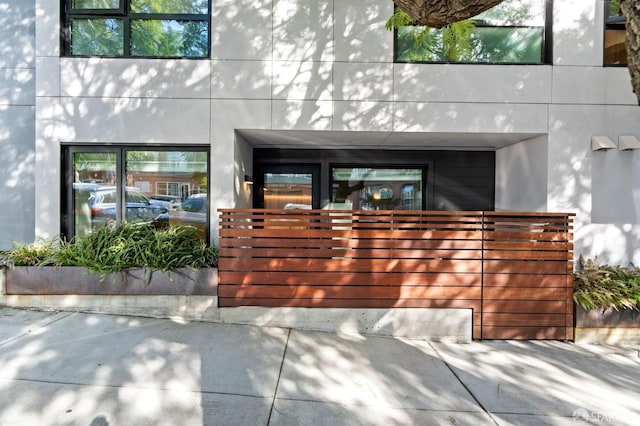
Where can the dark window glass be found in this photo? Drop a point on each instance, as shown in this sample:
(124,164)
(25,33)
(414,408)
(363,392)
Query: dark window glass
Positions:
(101,37)
(170,6)
(512,32)
(356,188)
(147,28)
(615,34)
(169,38)
(95,4)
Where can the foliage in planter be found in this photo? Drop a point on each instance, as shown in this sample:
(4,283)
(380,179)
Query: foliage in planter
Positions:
(111,250)
(603,287)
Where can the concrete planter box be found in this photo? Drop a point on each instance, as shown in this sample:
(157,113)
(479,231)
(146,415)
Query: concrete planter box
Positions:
(67,280)
(625,318)
(608,327)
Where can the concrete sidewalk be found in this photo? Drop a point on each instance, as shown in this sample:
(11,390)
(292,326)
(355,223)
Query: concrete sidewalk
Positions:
(59,368)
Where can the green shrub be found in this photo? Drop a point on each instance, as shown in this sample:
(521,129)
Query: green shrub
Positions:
(603,286)
(111,250)
(39,253)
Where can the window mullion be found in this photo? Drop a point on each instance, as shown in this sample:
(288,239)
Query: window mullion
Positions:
(126,37)
(121,184)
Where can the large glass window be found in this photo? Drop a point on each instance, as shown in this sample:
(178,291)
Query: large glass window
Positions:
(615,34)
(109,185)
(356,188)
(515,31)
(141,28)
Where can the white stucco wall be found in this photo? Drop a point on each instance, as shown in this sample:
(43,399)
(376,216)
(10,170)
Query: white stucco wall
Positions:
(328,65)
(600,187)
(521,176)
(17,119)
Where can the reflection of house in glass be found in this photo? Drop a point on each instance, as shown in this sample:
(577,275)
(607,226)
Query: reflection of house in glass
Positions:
(378,188)
(174,173)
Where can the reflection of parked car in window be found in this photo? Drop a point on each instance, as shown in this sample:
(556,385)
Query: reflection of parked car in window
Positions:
(168,201)
(193,211)
(102,204)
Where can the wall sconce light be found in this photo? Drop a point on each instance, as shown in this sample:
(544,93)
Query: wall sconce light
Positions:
(601,142)
(248,180)
(628,142)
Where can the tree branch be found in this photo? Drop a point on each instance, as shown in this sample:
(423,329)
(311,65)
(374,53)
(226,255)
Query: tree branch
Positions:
(631,10)
(439,13)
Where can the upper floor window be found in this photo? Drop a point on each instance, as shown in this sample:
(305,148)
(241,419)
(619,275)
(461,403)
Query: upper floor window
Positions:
(615,34)
(140,28)
(515,31)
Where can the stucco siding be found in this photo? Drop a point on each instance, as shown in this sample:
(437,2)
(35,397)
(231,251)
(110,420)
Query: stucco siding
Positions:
(17,122)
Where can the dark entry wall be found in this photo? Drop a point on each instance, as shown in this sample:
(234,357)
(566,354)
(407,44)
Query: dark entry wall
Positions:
(455,180)
(464,180)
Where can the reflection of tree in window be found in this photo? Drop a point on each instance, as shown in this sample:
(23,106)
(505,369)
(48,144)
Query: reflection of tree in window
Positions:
(151,28)
(99,37)
(168,38)
(511,32)
(94,167)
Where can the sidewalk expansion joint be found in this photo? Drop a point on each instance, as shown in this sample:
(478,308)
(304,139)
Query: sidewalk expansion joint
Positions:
(487,412)
(275,393)
(125,386)
(38,326)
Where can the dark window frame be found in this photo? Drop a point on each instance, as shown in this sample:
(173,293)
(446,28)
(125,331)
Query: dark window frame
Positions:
(547,43)
(67,224)
(294,167)
(124,14)
(327,158)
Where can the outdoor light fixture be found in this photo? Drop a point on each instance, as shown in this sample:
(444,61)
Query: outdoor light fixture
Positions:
(248,180)
(601,142)
(628,142)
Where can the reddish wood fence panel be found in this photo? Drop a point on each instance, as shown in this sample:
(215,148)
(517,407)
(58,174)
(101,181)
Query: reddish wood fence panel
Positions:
(367,259)
(527,276)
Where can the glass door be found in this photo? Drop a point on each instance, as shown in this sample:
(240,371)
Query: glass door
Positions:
(287,187)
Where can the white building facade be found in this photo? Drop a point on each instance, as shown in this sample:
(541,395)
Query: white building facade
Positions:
(288,75)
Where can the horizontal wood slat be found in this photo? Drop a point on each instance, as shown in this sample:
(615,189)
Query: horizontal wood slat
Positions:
(524,333)
(340,231)
(524,306)
(352,278)
(302,243)
(523,293)
(354,303)
(349,265)
(525,320)
(295,252)
(339,252)
(513,269)
(350,292)
(524,280)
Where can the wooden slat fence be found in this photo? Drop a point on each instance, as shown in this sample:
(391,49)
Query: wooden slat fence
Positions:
(512,269)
